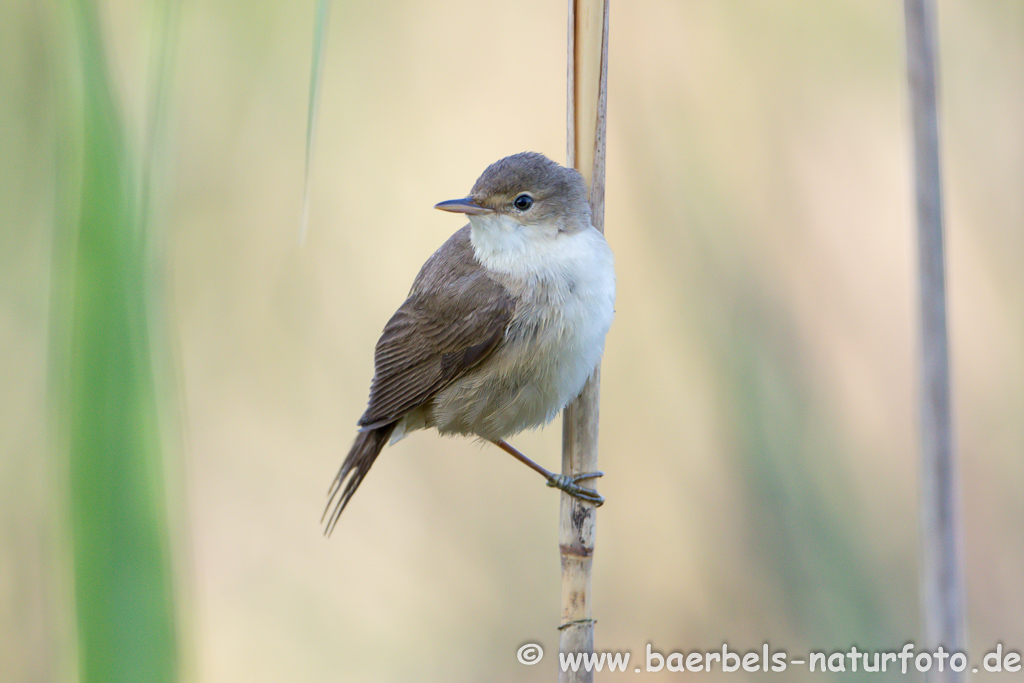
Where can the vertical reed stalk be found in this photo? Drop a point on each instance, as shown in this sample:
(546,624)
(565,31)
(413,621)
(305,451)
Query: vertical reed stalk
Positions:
(587,94)
(941,577)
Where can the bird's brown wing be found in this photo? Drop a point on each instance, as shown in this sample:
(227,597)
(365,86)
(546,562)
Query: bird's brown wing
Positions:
(453,319)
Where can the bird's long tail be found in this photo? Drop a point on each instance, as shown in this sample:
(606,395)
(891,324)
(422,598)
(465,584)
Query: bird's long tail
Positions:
(365,450)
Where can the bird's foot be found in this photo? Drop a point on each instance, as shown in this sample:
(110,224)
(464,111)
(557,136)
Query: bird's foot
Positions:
(568,483)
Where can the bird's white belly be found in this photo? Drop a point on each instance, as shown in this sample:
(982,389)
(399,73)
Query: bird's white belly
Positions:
(551,348)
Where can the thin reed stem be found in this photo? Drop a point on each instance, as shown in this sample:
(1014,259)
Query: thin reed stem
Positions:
(941,575)
(587,95)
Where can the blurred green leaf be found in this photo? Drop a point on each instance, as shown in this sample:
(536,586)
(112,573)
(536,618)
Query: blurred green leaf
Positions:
(107,404)
(319,32)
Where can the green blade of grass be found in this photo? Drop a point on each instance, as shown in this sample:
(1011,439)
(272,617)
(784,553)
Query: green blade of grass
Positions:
(106,403)
(319,33)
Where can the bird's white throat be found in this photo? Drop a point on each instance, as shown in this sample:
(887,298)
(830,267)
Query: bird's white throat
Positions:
(540,251)
(566,285)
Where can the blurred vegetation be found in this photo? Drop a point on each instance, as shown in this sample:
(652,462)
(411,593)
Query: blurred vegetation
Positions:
(758,401)
(106,409)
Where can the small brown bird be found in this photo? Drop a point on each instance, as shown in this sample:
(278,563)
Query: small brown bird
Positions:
(502,327)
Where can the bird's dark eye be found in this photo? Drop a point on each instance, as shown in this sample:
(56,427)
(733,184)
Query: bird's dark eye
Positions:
(523,202)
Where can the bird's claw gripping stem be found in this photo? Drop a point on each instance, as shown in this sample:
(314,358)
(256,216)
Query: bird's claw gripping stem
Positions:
(568,483)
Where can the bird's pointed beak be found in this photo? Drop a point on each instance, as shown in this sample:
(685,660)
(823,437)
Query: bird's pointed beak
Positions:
(465,205)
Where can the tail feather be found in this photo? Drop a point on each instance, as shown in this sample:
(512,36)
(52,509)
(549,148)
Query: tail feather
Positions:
(365,450)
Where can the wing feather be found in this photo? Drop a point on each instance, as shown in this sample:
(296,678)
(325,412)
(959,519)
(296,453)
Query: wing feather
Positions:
(453,319)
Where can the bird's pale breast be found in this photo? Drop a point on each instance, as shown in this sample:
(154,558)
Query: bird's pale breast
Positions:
(554,342)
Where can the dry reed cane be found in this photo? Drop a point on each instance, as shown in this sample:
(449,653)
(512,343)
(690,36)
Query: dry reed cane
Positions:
(585,122)
(941,574)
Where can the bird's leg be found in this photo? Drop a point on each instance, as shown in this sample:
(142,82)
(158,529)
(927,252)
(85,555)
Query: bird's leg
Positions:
(562,482)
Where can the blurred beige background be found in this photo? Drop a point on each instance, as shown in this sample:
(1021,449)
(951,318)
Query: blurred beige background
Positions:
(758,420)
